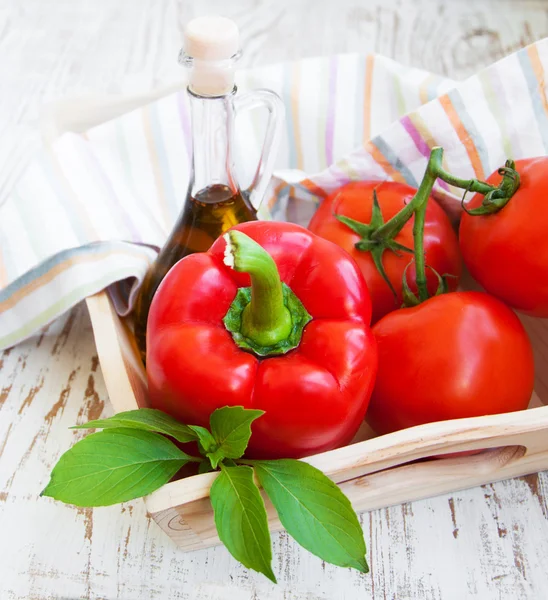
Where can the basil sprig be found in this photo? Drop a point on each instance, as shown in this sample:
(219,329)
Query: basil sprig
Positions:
(132,457)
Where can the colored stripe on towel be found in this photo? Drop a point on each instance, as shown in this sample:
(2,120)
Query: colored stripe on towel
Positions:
(448,104)
(534,75)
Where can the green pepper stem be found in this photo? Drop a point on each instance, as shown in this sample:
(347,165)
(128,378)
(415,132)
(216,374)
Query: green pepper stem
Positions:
(265,320)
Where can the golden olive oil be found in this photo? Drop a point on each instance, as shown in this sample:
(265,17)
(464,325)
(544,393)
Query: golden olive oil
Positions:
(205,217)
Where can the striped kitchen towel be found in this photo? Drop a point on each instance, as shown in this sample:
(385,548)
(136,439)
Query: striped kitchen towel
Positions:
(92,209)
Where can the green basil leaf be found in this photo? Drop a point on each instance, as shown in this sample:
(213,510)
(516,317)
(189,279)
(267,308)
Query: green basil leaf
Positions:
(314,511)
(114,466)
(215,457)
(205,467)
(145,419)
(231,428)
(240,518)
(206,442)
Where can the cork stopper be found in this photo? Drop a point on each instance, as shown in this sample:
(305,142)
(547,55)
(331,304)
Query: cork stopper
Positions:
(211,45)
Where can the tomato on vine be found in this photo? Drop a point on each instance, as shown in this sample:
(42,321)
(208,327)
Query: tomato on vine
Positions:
(505,243)
(454,355)
(462,354)
(358,217)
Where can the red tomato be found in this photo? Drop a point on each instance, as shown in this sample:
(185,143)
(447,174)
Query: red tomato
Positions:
(462,354)
(355,200)
(507,251)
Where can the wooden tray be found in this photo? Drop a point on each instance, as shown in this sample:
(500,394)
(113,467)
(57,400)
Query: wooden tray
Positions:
(373,472)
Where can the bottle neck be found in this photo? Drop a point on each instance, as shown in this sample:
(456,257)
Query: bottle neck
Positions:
(212,135)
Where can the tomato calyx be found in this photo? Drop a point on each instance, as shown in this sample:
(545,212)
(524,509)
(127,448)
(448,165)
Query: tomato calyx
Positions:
(267,318)
(410,298)
(379,236)
(498,197)
(370,240)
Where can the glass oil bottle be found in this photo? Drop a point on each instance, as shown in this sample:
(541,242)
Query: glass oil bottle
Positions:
(214,201)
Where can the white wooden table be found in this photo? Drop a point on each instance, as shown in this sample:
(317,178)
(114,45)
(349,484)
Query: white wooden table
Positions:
(486,543)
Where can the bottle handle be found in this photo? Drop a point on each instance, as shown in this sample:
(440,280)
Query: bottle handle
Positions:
(276,114)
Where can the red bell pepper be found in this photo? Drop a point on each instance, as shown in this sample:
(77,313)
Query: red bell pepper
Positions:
(301,350)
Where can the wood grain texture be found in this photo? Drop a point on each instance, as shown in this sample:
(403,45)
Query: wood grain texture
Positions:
(488,543)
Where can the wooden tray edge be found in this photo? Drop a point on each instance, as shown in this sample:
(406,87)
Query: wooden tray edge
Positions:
(361,470)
